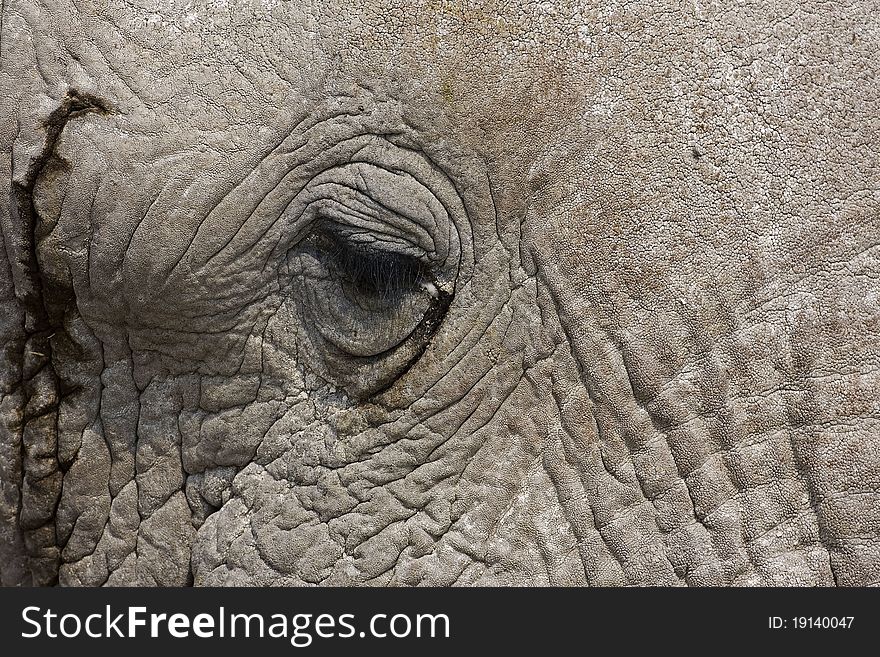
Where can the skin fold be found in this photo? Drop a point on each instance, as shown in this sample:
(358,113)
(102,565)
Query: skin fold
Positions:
(439,293)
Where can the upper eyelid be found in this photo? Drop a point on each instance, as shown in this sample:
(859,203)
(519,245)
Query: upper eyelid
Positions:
(380,247)
(399,178)
(330,215)
(277,204)
(416,229)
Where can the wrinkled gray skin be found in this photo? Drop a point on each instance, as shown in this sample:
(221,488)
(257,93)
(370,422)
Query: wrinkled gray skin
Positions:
(439,293)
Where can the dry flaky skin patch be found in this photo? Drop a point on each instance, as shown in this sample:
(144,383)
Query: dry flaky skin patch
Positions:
(659,365)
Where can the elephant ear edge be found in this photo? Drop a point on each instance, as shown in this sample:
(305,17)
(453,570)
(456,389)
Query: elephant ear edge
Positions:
(13,557)
(13,567)
(33,112)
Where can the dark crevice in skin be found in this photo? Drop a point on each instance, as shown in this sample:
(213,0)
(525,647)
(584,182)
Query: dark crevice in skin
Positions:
(44,313)
(831,567)
(74,104)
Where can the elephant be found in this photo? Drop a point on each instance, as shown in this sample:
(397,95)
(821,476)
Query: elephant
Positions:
(440,292)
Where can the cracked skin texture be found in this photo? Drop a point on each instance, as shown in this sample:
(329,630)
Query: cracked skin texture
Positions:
(656,224)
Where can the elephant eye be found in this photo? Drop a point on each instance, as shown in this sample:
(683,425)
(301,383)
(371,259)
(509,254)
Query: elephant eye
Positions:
(362,293)
(371,269)
(368,305)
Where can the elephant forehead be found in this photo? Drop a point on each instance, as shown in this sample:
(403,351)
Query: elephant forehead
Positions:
(742,95)
(296,40)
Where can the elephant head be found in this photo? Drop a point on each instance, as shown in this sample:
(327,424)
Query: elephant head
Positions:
(439,293)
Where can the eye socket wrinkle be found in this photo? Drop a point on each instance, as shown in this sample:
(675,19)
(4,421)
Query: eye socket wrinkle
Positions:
(373,271)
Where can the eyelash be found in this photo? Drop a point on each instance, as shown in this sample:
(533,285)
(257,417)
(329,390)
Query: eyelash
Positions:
(373,271)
